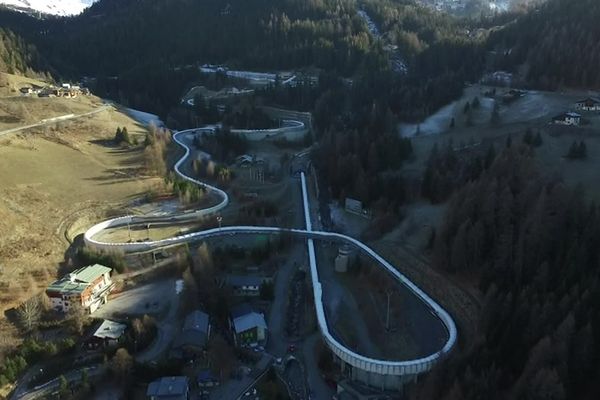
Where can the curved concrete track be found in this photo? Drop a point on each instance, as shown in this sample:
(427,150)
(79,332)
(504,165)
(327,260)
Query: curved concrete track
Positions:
(400,368)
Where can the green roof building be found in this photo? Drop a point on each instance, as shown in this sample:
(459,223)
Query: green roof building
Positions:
(87,287)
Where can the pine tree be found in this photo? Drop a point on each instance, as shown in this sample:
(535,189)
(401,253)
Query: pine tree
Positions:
(537,140)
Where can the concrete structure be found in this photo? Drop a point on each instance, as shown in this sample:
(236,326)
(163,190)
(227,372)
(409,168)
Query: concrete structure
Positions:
(248,326)
(382,374)
(342,260)
(568,118)
(290,129)
(88,287)
(169,388)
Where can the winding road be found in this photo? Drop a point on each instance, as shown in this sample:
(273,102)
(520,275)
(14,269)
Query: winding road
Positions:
(53,120)
(398,368)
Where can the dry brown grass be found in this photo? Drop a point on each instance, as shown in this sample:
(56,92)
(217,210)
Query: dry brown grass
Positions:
(10,84)
(55,182)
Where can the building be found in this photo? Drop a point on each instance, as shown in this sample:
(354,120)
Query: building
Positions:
(206,380)
(169,388)
(88,287)
(244,285)
(247,161)
(342,260)
(512,95)
(589,104)
(108,334)
(248,326)
(356,207)
(195,334)
(568,118)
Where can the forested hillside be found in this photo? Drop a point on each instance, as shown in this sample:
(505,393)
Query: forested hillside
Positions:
(534,247)
(17,56)
(115,36)
(557,45)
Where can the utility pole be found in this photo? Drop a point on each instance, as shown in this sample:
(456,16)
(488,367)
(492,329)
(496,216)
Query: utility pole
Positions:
(387,316)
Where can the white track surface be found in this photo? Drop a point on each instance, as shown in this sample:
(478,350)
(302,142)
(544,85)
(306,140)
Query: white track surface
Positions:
(383,367)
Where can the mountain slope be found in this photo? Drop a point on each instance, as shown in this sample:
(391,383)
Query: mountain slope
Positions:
(17,56)
(54,7)
(557,45)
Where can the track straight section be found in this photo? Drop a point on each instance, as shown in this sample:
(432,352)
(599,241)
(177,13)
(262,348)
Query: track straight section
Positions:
(371,365)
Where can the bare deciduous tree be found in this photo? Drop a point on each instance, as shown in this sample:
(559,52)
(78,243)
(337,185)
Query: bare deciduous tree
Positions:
(121,364)
(29,313)
(221,356)
(76,316)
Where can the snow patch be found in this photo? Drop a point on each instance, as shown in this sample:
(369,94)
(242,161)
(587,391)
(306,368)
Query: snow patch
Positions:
(144,118)
(179,286)
(54,7)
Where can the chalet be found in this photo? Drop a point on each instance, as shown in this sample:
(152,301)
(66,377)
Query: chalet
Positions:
(194,335)
(512,95)
(87,287)
(108,334)
(206,379)
(568,118)
(244,285)
(356,207)
(169,388)
(247,161)
(589,104)
(248,326)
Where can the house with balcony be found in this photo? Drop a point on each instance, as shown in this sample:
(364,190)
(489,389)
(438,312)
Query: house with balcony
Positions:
(194,336)
(248,326)
(568,118)
(87,287)
(588,104)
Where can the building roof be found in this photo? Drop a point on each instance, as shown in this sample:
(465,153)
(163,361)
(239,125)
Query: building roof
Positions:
(91,273)
(197,321)
(78,280)
(245,280)
(567,115)
(240,310)
(168,387)
(195,330)
(592,100)
(249,321)
(206,376)
(110,330)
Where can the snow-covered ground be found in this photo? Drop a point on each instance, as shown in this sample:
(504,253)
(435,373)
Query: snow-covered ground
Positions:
(440,121)
(396,60)
(144,117)
(54,7)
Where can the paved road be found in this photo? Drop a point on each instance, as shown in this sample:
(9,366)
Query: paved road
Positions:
(54,120)
(316,384)
(53,385)
(154,298)
(277,344)
(235,389)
